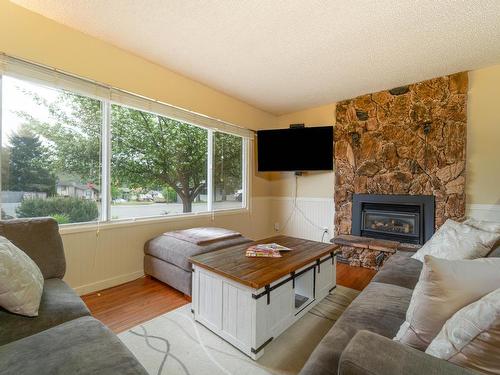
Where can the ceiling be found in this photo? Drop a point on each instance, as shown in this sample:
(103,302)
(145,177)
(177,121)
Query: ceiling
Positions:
(286,55)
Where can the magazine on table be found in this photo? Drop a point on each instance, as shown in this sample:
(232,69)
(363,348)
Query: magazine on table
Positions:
(253,252)
(272,246)
(269,250)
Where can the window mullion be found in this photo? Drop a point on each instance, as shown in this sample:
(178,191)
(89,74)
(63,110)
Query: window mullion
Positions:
(210,170)
(245,171)
(106,161)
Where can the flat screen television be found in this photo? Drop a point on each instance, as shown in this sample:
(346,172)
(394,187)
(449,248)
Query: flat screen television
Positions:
(295,149)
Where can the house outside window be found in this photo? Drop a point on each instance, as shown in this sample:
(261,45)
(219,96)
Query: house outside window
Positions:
(50,153)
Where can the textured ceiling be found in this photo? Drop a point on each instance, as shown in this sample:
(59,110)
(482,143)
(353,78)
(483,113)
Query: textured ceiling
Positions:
(286,55)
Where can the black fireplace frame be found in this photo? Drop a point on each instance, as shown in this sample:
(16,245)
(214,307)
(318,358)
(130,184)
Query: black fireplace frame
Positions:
(426,204)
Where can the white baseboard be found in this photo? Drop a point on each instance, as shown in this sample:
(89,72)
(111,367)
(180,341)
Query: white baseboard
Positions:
(489,212)
(107,283)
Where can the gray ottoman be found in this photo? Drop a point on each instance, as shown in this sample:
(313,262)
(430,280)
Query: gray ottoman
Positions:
(166,257)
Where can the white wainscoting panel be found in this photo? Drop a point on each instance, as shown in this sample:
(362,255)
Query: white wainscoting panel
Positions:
(489,212)
(312,214)
(304,218)
(99,258)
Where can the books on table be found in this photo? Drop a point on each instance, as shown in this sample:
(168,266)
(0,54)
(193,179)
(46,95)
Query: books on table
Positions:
(268,250)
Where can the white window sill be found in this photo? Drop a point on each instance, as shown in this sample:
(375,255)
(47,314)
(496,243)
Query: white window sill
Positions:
(124,223)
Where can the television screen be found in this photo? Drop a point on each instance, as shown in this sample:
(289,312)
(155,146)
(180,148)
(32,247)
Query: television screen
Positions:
(295,149)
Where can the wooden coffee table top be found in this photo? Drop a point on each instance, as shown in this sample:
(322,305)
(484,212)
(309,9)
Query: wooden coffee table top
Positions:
(259,272)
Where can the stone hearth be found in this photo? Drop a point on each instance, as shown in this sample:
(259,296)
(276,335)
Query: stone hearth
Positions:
(408,140)
(367,252)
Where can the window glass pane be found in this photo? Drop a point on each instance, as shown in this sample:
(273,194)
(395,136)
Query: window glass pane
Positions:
(158,165)
(50,153)
(228,176)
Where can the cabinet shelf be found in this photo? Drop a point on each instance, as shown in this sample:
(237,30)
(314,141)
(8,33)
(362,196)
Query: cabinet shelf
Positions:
(300,300)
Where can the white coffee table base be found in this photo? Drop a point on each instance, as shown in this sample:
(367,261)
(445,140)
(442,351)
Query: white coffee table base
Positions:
(250,318)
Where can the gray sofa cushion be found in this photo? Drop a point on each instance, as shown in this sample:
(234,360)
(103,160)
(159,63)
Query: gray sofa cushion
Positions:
(400,269)
(175,251)
(40,239)
(372,354)
(59,304)
(380,308)
(81,346)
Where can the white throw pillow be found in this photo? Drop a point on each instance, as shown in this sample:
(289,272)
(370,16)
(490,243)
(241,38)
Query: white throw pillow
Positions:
(444,287)
(471,337)
(458,241)
(488,226)
(21,281)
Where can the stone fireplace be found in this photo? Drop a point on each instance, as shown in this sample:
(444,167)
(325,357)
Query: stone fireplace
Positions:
(406,142)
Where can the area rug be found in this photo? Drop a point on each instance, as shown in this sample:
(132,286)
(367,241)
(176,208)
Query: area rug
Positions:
(174,343)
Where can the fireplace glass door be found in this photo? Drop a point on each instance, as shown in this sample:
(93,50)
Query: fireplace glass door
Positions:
(403,218)
(391,223)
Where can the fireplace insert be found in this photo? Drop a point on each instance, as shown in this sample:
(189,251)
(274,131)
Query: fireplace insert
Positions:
(403,218)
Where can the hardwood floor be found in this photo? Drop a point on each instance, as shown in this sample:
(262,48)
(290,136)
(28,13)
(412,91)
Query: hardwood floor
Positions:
(127,305)
(354,277)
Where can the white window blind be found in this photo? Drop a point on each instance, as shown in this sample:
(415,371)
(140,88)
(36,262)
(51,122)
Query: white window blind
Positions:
(51,77)
(54,78)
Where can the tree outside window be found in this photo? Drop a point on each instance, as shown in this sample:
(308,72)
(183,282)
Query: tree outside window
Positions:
(51,159)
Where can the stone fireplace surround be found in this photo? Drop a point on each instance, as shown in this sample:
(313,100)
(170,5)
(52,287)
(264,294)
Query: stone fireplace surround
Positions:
(408,141)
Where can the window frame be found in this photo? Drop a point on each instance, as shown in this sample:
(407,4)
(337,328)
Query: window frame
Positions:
(106,151)
(245,202)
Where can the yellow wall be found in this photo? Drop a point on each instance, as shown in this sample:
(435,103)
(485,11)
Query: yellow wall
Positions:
(115,255)
(311,184)
(483,137)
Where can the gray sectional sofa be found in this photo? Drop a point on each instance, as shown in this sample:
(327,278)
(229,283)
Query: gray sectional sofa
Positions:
(63,338)
(360,342)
